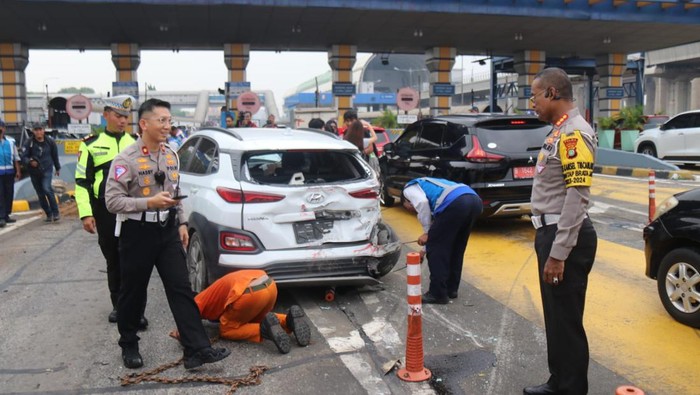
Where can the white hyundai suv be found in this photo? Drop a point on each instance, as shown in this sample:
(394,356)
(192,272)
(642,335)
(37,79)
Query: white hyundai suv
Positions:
(676,141)
(299,204)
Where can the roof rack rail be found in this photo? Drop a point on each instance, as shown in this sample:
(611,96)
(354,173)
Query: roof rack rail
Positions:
(231,133)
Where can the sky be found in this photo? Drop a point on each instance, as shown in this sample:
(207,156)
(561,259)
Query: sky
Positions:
(168,71)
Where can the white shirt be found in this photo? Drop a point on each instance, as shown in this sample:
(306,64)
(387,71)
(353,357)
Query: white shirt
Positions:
(419,200)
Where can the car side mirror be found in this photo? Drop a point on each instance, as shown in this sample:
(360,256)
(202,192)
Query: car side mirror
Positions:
(389,148)
(663,127)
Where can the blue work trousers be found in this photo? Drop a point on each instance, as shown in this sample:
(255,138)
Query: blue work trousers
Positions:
(45,193)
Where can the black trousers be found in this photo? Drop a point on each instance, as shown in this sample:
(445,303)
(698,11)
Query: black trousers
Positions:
(563,305)
(447,241)
(109,244)
(143,245)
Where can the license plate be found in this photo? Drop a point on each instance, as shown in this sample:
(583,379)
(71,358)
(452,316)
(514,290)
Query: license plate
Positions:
(309,231)
(524,172)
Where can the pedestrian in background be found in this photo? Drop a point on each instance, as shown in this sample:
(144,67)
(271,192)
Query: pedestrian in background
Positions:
(316,123)
(565,241)
(143,187)
(229,121)
(176,138)
(9,172)
(242,302)
(95,156)
(447,211)
(270,121)
(40,158)
(245,120)
(332,126)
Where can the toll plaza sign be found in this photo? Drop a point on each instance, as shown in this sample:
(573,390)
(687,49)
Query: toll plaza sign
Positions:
(78,107)
(248,101)
(407,99)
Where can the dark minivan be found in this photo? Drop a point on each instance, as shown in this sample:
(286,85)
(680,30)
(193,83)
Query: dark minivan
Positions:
(495,154)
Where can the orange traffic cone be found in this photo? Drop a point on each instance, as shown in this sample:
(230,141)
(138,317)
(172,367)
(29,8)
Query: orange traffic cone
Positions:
(414,370)
(628,390)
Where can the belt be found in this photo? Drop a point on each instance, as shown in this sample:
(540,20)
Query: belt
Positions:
(149,216)
(258,287)
(539,221)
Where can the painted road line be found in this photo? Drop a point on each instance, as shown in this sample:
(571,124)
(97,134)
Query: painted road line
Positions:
(628,329)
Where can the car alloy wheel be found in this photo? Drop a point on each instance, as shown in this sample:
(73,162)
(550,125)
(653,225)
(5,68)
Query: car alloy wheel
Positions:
(648,149)
(196,265)
(678,283)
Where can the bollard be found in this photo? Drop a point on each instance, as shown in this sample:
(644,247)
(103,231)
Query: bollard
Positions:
(414,370)
(628,390)
(652,195)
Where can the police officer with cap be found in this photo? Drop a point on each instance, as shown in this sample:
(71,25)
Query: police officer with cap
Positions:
(143,189)
(95,156)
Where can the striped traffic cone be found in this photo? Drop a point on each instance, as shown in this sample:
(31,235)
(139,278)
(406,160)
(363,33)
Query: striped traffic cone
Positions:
(628,390)
(414,370)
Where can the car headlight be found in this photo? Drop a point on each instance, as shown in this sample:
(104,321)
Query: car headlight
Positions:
(666,206)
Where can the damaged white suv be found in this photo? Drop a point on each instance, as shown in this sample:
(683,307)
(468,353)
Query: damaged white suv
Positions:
(299,204)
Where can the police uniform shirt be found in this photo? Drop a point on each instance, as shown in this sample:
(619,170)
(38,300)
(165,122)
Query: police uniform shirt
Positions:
(132,179)
(95,156)
(563,177)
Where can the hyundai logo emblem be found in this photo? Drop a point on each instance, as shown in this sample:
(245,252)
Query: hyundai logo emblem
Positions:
(315,198)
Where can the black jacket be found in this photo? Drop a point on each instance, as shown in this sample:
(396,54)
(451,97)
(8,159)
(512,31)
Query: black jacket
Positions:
(45,152)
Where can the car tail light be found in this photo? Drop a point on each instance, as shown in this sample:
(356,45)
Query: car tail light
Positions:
(365,194)
(477,154)
(237,242)
(236,196)
(517,122)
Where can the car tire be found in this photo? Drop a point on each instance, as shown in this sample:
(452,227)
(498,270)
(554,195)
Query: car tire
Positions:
(679,295)
(196,264)
(647,149)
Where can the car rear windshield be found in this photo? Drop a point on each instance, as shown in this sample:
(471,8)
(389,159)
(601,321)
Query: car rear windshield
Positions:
(512,135)
(304,167)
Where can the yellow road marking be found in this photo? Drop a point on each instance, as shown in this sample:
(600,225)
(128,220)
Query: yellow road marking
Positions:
(634,191)
(628,330)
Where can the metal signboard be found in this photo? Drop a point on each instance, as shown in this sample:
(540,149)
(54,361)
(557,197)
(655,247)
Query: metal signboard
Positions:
(248,101)
(407,99)
(237,88)
(614,93)
(343,89)
(441,89)
(130,88)
(405,119)
(78,107)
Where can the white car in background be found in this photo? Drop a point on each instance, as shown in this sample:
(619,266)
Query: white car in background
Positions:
(299,204)
(676,141)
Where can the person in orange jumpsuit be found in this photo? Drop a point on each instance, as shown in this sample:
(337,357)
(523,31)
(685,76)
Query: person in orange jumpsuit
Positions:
(242,302)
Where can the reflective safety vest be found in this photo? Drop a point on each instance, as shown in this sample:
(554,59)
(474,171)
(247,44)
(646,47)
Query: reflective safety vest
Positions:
(95,156)
(438,189)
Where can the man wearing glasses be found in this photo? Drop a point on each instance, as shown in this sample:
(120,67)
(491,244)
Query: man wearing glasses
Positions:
(142,187)
(565,241)
(95,156)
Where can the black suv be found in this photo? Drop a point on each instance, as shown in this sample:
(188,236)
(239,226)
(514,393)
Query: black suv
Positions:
(494,154)
(672,251)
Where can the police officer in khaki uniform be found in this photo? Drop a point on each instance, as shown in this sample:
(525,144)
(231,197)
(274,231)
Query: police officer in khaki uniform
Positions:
(95,156)
(142,188)
(565,241)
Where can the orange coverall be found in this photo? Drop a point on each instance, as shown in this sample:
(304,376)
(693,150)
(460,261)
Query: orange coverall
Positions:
(239,313)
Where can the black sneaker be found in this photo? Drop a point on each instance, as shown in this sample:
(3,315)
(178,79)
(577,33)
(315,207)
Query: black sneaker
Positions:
(131,357)
(270,329)
(112,316)
(428,298)
(10,220)
(297,322)
(205,355)
(452,295)
(48,219)
(56,218)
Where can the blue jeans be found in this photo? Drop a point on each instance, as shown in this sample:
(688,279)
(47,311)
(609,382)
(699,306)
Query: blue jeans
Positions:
(44,191)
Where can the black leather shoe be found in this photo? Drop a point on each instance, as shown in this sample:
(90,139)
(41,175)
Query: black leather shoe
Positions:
(297,322)
(206,355)
(132,358)
(270,329)
(143,323)
(542,389)
(10,220)
(428,298)
(113,316)
(452,295)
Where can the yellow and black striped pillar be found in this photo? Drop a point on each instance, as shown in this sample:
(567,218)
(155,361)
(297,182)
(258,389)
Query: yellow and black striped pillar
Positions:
(610,68)
(13,90)
(527,64)
(439,61)
(126,59)
(236,57)
(341,58)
